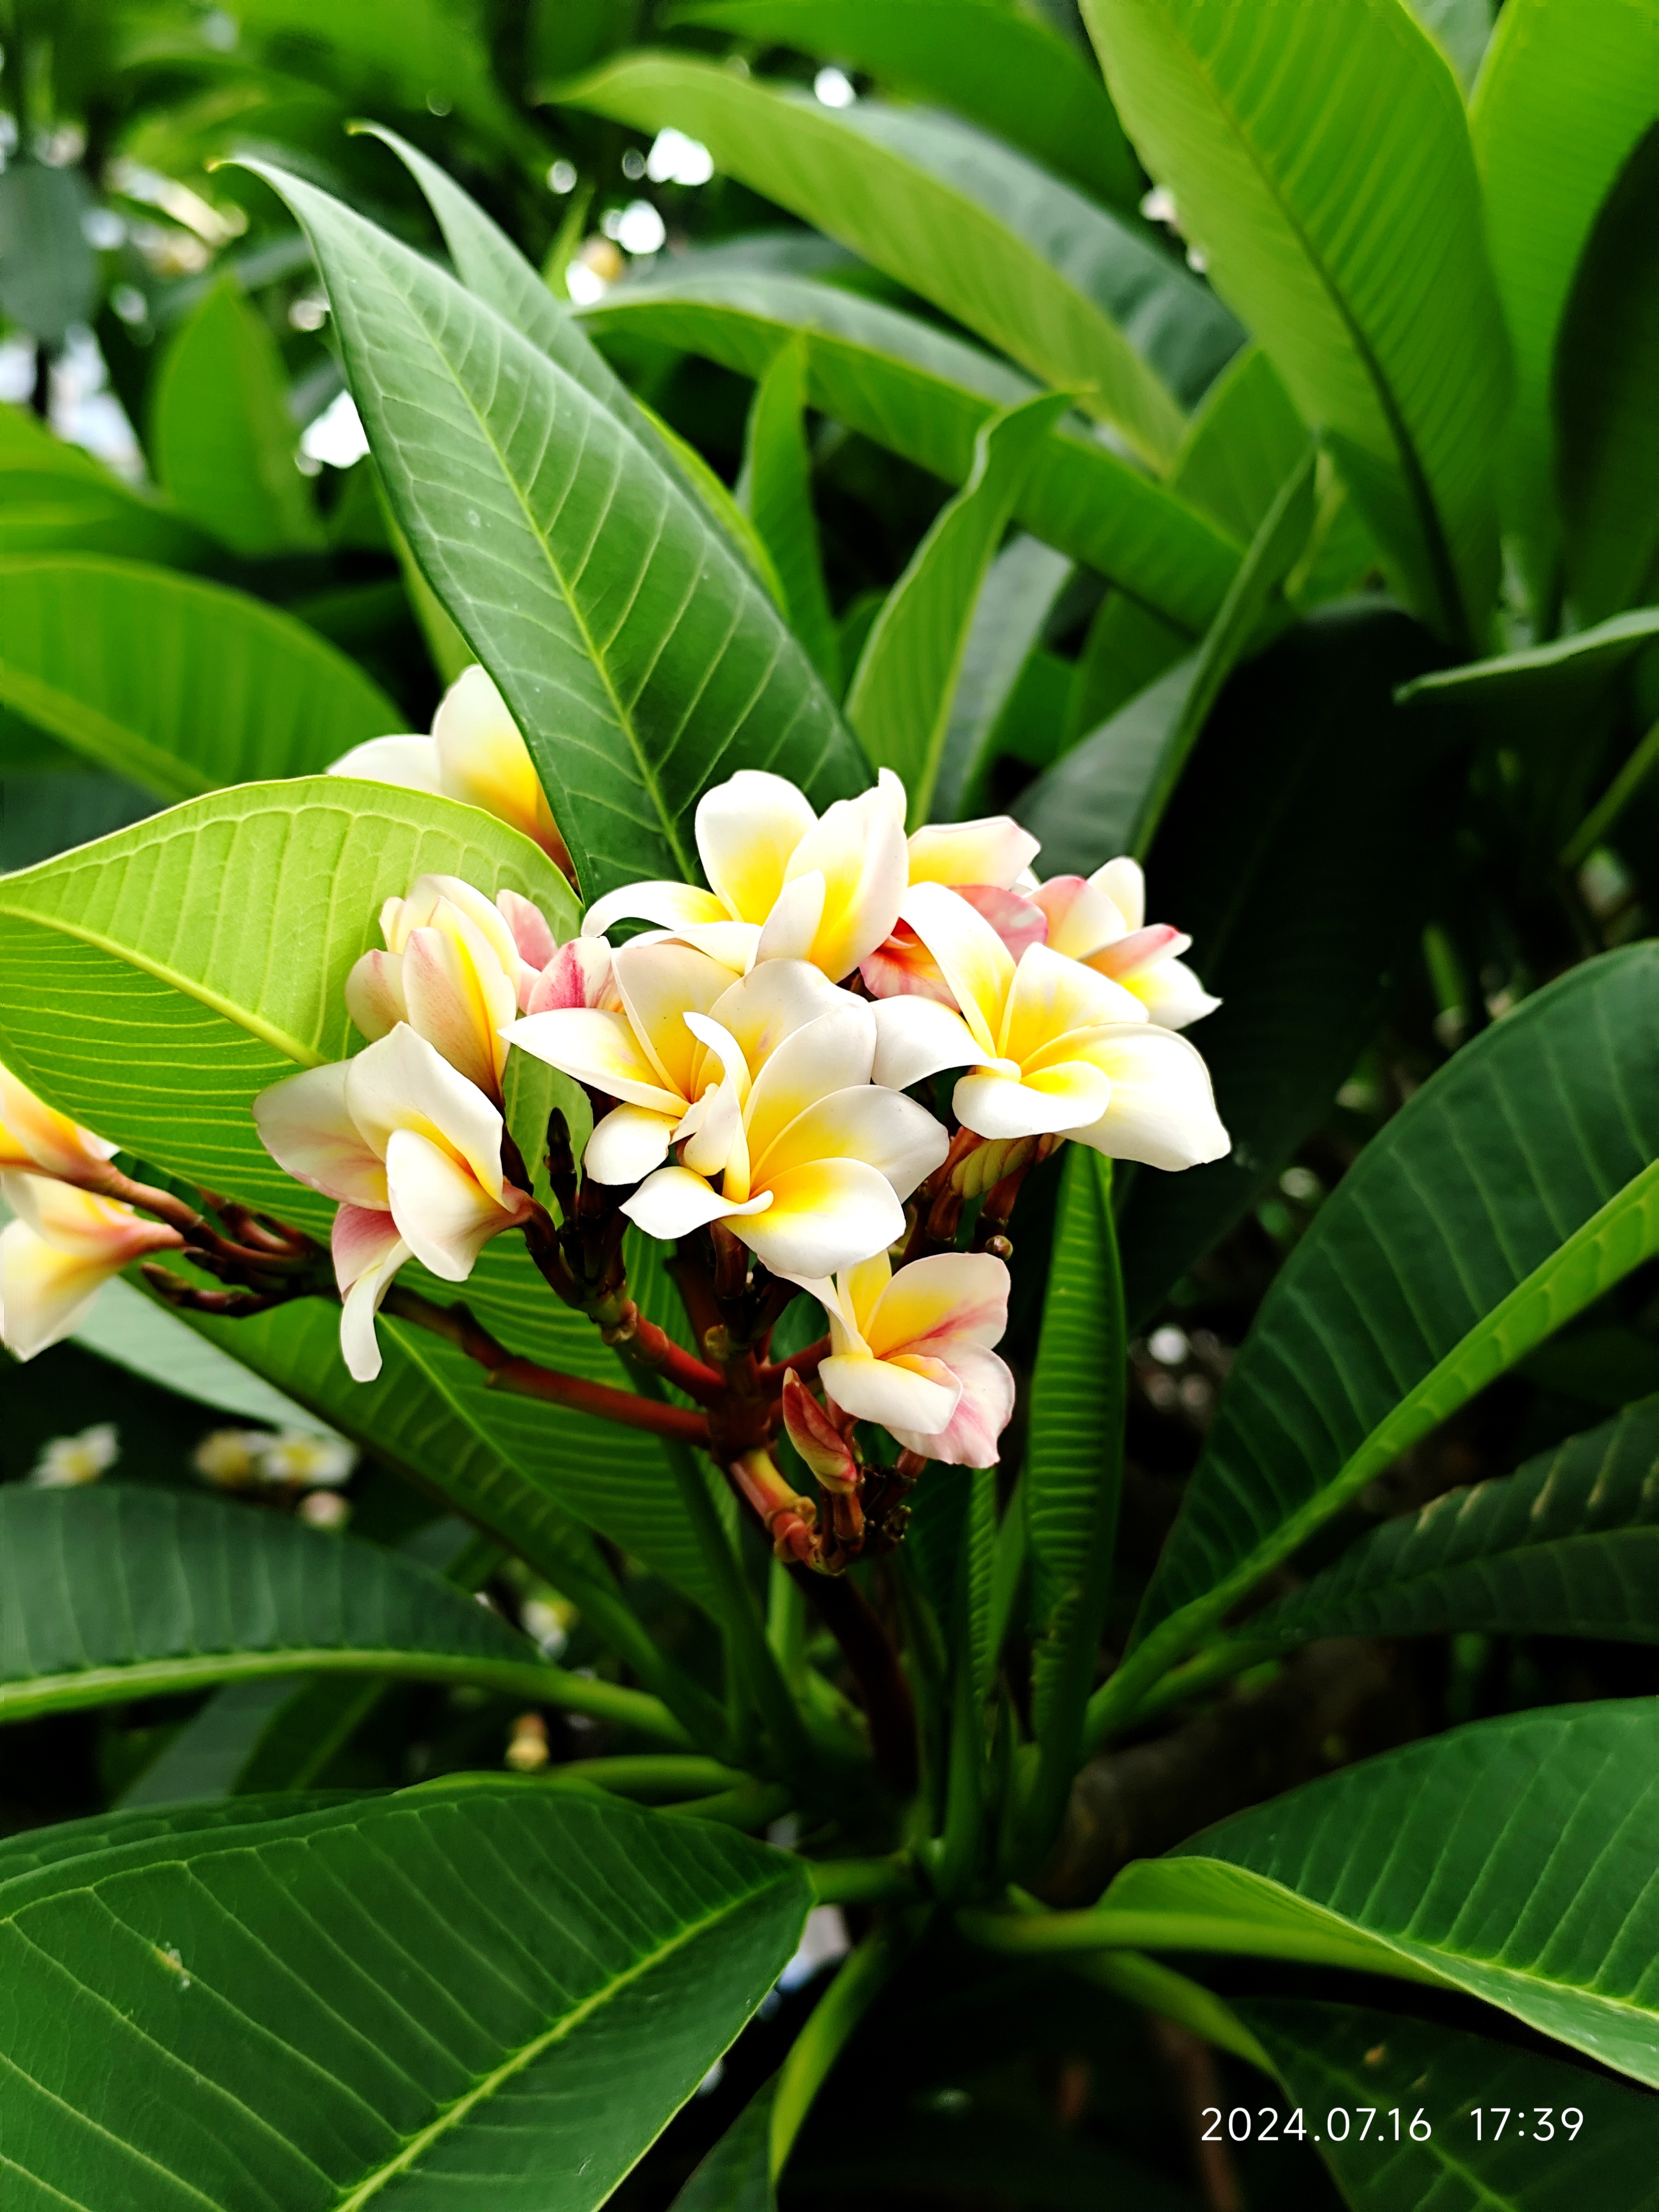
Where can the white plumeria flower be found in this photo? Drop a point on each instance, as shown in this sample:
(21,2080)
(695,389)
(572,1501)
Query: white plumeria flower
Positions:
(413,1152)
(36,1139)
(1051,1047)
(230,1458)
(913,1352)
(69,1462)
(1101,919)
(454,970)
(762,1086)
(300,1459)
(476,754)
(64,1247)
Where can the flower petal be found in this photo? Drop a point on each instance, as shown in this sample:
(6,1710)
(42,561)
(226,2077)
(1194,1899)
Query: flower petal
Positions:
(627,1143)
(598,1048)
(577,974)
(978,966)
(403,1083)
(360,1347)
(1051,996)
(35,1135)
(1171,994)
(949,1300)
(360,1239)
(774,1000)
(44,1292)
(821,1218)
(882,1129)
(375,994)
(1124,883)
(1162,1109)
(483,761)
(409,763)
(913,1394)
(827,1054)
(994,850)
(859,848)
(530,928)
(1081,917)
(915,1037)
(673,906)
(306,1125)
(459,999)
(660,984)
(1052,1101)
(443,1214)
(82,1225)
(673,1202)
(747,830)
(792,927)
(972,1436)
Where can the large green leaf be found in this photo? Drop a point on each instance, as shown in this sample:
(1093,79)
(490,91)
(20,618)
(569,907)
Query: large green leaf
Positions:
(1301,852)
(220,433)
(926,394)
(776,487)
(1015,602)
(53,497)
(1386,2070)
(641,657)
(1543,689)
(901,694)
(1240,446)
(1109,793)
(1052,280)
(736,2176)
(1516,1188)
(48,274)
(132,1331)
(176,684)
(1606,365)
(1320,159)
(1564,96)
(154,983)
(459,1995)
(111,1593)
(999,67)
(1569,1546)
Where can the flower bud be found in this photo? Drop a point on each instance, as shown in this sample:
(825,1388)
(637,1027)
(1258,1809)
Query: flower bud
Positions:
(816,1437)
(38,1140)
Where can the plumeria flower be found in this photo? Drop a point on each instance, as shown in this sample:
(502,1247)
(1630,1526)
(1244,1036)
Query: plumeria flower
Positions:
(35,1139)
(913,1352)
(413,1152)
(761,1088)
(70,1463)
(454,970)
(64,1247)
(1051,1047)
(1101,919)
(786,885)
(299,1459)
(230,1459)
(476,754)
(987,862)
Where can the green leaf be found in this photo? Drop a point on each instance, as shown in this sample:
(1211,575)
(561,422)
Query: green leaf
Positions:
(111,1593)
(1568,1546)
(133,1331)
(736,2176)
(55,498)
(640,656)
(1535,693)
(1565,94)
(900,699)
(220,433)
(1520,2159)
(1017,256)
(1320,160)
(1301,853)
(1516,1187)
(492,1993)
(777,486)
(1003,69)
(1241,447)
(126,1000)
(1508,1860)
(176,684)
(207,1758)
(1108,794)
(1606,364)
(48,274)
(1018,594)
(1461,28)
(31,1848)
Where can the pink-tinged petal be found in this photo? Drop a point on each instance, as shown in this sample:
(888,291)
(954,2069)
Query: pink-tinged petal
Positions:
(1140,948)
(659,984)
(407,763)
(772,1002)
(531,932)
(360,1347)
(598,1048)
(977,963)
(914,1395)
(747,830)
(35,1135)
(1171,994)
(446,903)
(672,906)
(306,1125)
(359,1241)
(826,1055)
(859,848)
(814,1435)
(43,1292)
(403,1083)
(483,761)
(935,1304)
(994,850)
(673,1201)
(821,1218)
(1051,997)
(375,994)
(442,1213)
(916,1038)
(972,1436)
(1162,1109)
(904,968)
(627,1143)
(1082,919)
(81,1225)
(459,999)
(792,927)
(578,975)
(1017,920)
(1125,885)
(1056,1100)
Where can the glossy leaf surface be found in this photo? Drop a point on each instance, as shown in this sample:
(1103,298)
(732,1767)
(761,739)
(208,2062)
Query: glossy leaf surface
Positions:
(777,485)
(1018,594)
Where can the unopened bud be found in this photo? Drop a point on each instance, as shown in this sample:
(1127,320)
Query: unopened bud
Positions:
(816,1437)
(527,1749)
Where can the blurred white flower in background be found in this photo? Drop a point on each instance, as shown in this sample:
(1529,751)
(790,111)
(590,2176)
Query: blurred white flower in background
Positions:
(67,1462)
(833,88)
(337,436)
(674,159)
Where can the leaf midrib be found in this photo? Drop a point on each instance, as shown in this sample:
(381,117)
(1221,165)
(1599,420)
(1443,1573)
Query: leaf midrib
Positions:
(115,745)
(24,1695)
